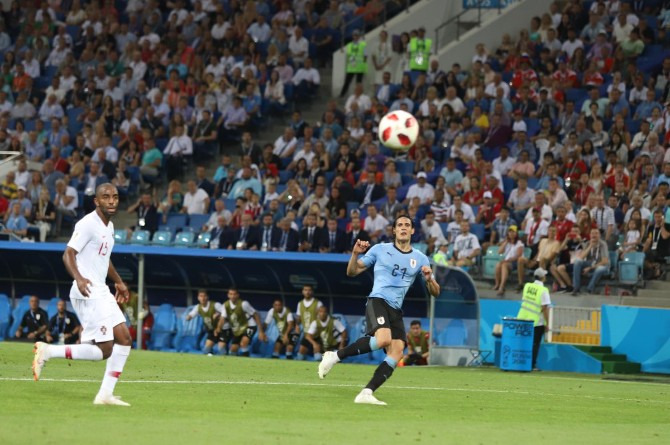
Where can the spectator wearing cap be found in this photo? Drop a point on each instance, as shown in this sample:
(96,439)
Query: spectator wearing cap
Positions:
(422,189)
(488,211)
(466,247)
(511,249)
(535,307)
(25,205)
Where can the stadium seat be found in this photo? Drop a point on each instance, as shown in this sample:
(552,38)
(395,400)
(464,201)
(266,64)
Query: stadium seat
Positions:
(630,268)
(5,316)
(52,307)
(184,239)
(17,314)
(120,236)
(490,261)
(196,221)
(203,240)
(140,237)
(265,349)
(454,335)
(176,222)
(477,230)
(421,247)
(164,329)
(162,238)
(188,333)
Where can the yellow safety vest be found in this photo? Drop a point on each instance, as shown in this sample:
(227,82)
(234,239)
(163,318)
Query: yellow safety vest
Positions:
(356,58)
(419,53)
(531,303)
(440,258)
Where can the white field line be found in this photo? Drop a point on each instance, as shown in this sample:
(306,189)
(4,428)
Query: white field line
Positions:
(340,385)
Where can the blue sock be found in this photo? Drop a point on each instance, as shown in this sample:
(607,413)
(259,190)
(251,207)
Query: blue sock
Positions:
(373,344)
(300,356)
(392,363)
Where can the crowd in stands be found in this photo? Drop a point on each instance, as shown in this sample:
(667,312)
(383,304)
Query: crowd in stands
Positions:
(548,150)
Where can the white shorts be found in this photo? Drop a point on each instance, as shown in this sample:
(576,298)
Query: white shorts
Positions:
(98,315)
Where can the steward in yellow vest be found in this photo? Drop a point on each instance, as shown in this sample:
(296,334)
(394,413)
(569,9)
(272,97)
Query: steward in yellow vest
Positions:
(419,51)
(535,303)
(356,61)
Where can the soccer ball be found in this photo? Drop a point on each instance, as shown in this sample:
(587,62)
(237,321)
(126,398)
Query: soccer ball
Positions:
(398,130)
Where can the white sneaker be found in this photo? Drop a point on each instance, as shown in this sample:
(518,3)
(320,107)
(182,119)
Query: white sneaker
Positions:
(109,399)
(366,397)
(39,358)
(327,362)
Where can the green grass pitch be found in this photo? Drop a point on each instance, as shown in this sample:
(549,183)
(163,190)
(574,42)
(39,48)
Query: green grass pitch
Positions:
(193,399)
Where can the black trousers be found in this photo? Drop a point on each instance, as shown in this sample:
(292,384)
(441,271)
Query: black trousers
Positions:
(347,82)
(537,341)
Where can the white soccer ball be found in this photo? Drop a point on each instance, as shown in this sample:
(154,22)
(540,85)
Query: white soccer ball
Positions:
(398,130)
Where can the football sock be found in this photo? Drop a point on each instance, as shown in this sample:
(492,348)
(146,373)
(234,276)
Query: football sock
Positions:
(361,346)
(115,364)
(300,356)
(289,356)
(207,350)
(318,356)
(244,352)
(382,373)
(275,355)
(74,352)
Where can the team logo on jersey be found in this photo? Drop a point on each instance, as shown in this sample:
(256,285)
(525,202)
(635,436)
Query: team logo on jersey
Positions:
(380,320)
(103,329)
(412,263)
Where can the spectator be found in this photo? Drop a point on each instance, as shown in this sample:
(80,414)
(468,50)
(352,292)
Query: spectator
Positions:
(287,240)
(45,214)
(34,323)
(466,247)
(311,236)
(246,181)
(656,246)
(511,249)
(356,233)
(319,197)
(66,202)
(196,200)
(178,149)
(246,237)
(421,190)
(593,258)
(147,214)
(334,239)
(205,137)
(16,223)
(432,231)
(306,81)
(64,327)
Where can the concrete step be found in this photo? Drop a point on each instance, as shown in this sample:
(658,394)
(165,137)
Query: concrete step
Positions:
(646,302)
(653,293)
(657,285)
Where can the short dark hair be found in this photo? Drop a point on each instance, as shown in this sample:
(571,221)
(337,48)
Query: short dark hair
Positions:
(415,322)
(395,221)
(202,291)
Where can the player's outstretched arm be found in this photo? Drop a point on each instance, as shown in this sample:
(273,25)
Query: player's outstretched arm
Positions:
(356,266)
(71,266)
(431,284)
(122,295)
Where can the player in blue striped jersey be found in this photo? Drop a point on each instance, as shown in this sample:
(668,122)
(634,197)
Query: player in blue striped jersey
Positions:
(396,265)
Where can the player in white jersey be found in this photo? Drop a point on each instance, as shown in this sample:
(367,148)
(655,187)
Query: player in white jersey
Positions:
(105,334)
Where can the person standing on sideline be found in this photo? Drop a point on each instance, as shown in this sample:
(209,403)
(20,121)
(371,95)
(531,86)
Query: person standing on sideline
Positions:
(419,52)
(105,334)
(357,64)
(396,265)
(535,303)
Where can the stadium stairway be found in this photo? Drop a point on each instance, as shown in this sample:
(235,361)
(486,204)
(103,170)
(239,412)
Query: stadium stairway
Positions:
(655,295)
(612,363)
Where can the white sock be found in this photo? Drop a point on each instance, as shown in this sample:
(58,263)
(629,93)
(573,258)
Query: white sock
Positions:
(115,364)
(75,352)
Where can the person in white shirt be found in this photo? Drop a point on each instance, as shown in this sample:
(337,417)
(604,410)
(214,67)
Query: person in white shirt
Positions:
(285,323)
(196,200)
(51,109)
(31,65)
(67,79)
(306,80)
(285,144)
(259,30)
(179,146)
(375,223)
(305,153)
(58,54)
(105,334)
(317,333)
(179,11)
(215,67)
(432,232)
(540,203)
(210,311)
(466,247)
(66,202)
(219,211)
(422,189)
(453,101)
(572,43)
(503,163)
(492,88)
(138,66)
(458,204)
(219,28)
(362,100)
(298,46)
(242,328)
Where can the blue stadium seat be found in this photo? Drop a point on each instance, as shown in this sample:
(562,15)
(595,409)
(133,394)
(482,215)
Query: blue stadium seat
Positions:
(120,236)
(162,238)
(203,240)
(184,239)
(477,230)
(630,268)
(177,221)
(52,307)
(140,237)
(196,221)
(490,261)
(421,247)
(265,349)
(17,314)
(188,333)
(5,316)
(164,329)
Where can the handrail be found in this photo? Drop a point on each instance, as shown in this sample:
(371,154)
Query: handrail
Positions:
(344,25)
(457,17)
(11,156)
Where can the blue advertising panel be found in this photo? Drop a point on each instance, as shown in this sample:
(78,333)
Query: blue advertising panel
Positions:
(516,349)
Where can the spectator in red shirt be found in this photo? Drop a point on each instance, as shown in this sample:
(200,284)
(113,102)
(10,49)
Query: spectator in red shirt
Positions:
(574,167)
(616,176)
(562,225)
(475,195)
(488,211)
(566,77)
(583,190)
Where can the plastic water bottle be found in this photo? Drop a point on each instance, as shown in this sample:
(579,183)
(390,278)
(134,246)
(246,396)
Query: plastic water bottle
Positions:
(607,289)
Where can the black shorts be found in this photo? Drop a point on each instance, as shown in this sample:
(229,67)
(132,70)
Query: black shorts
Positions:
(250,332)
(378,314)
(223,336)
(310,348)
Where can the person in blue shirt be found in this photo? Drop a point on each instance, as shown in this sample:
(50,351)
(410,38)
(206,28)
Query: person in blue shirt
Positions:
(396,265)
(16,223)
